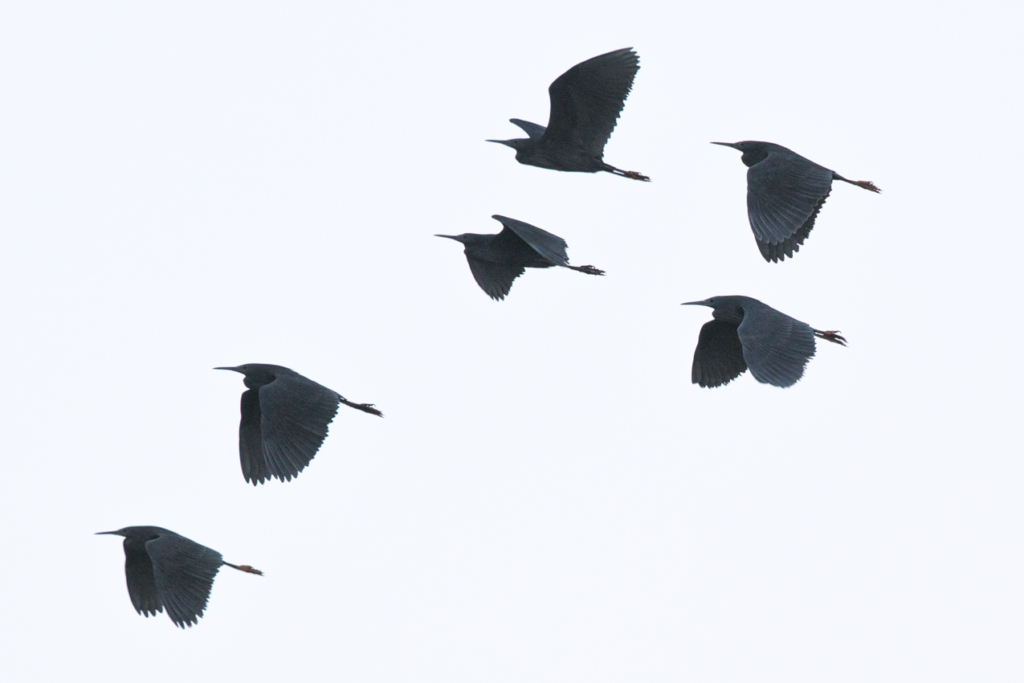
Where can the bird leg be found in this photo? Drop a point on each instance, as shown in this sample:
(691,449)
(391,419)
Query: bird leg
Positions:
(244,568)
(589,270)
(831,335)
(636,176)
(365,407)
(625,174)
(866,184)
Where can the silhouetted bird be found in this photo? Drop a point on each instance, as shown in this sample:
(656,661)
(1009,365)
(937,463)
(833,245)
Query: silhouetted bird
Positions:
(585,104)
(497,260)
(284,420)
(165,570)
(747,333)
(785,192)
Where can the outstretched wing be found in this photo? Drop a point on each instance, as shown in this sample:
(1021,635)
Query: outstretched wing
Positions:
(294,414)
(776,347)
(494,278)
(587,99)
(184,572)
(718,359)
(785,192)
(250,439)
(534,130)
(138,570)
(551,247)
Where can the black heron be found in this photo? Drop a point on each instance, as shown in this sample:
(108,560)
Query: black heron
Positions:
(746,333)
(785,192)
(585,104)
(497,260)
(168,571)
(284,420)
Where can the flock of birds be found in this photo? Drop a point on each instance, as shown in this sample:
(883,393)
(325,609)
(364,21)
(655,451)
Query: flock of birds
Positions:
(285,416)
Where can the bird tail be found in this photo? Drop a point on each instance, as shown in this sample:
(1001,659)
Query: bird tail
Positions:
(626,174)
(365,407)
(831,335)
(866,184)
(244,568)
(589,270)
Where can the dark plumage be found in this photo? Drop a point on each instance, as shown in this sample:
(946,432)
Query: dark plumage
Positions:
(746,333)
(585,104)
(497,260)
(284,420)
(785,192)
(168,571)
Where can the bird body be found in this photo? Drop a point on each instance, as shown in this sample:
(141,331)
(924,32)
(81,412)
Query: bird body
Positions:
(497,260)
(165,570)
(746,333)
(785,192)
(284,420)
(585,105)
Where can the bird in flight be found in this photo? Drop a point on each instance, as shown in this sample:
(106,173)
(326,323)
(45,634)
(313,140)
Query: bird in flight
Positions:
(746,333)
(785,192)
(497,260)
(585,104)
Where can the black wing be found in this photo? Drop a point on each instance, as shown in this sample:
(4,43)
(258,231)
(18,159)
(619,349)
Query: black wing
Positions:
(535,131)
(587,99)
(718,359)
(775,346)
(250,440)
(494,278)
(551,247)
(138,570)
(184,572)
(295,412)
(785,192)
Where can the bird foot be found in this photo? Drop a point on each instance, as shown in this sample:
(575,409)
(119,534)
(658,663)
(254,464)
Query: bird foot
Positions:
(636,176)
(245,568)
(832,336)
(365,407)
(867,185)
(589,270)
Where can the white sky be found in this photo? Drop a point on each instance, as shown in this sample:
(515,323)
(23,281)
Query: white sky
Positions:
(193,184)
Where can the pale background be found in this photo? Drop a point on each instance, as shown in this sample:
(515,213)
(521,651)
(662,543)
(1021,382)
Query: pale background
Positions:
(194,184)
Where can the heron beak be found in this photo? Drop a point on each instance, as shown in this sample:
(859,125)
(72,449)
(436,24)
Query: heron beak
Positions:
(108,533)
(507,143)
(696,303)
(457,238)
(226,368)
(726,144)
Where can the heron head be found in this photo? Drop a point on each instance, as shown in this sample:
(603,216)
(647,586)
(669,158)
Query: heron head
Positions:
(754,151)
(516,143)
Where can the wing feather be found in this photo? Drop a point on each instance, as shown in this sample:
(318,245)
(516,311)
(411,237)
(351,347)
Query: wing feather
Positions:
(785,192)
(183,571)
(587,99)
(494,278)
(776,347)
(549,246)
(138,570)
(295,413)
(718,359)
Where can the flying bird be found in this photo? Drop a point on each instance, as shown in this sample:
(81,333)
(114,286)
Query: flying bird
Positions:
(585,104)
(746,333)
(284,420)
(785,192)
(168,571)
(497,260)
